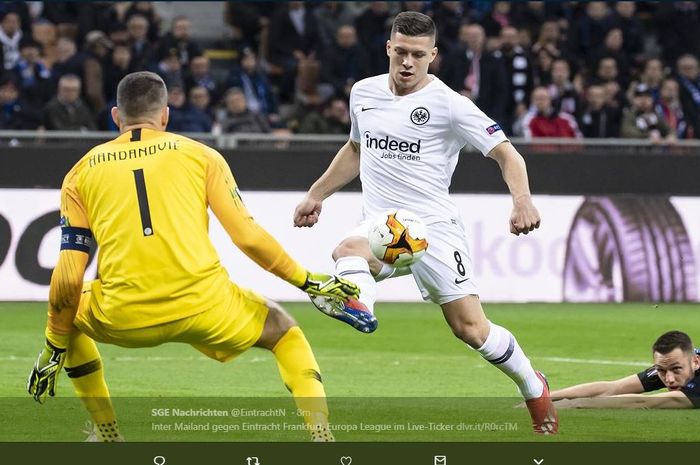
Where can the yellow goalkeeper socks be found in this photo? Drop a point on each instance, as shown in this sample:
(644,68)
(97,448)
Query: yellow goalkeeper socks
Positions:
(84,368)
(302,377)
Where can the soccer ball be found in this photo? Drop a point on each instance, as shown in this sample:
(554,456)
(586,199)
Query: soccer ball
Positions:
(398,237)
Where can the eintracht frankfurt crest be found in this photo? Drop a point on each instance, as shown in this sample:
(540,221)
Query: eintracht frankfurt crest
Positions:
(420,116)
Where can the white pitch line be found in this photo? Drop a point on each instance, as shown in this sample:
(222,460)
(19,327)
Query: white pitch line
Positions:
(588,361)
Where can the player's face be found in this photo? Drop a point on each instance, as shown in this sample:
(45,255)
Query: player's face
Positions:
(676,368)
(409,58)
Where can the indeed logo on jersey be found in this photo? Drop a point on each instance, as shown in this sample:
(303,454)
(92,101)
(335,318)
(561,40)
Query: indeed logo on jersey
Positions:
(398,148)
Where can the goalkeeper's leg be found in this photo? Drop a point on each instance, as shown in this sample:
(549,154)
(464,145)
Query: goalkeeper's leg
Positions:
(84,368)
(298,368)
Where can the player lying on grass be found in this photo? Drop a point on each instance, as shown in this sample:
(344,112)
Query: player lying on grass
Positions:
(676,368)
(144,198)
(407,131)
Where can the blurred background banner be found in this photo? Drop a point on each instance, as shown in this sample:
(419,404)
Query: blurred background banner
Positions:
(589,248)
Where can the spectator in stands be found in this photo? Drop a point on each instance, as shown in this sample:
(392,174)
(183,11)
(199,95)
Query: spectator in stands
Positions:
(688,73)
(16,112)
(542,70)
(478,74)
(632,31)
(614,97)
(10,36)
(33,77)
(612,48)
(498,18)
(179,42)
(561,90)
(335,119)
(330,16)
(146,10)
(45,34)
(669,106)
(529,17)
(118,33)
(68,60)
(598,119)
(67,111)
(652,75)
(97,50)
(545,121)
(199,98)
(294,47)
(236,117)
(142,53)
(345,62)
(183,116)
(519,77)
(677,25)
(448,17)
(199,75)
(373,30)
(549,40)
(590,29)
(65,15)
(260,98)
(170,69)
(607,71)
(641,121)
(96,16)
(118,66)
(25,14)
(248,25)
(607,75)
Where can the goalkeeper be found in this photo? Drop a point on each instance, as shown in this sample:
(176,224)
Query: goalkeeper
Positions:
(143,197)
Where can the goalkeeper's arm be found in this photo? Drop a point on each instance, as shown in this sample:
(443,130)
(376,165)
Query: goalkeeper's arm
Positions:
(64,298)
(257,243)
(64,295)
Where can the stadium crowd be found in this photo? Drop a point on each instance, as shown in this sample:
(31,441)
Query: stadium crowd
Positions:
(541,69)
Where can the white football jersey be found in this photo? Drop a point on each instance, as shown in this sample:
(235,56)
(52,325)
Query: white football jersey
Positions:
(409,145)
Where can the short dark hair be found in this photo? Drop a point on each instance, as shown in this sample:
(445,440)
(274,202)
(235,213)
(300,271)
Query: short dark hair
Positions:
(414,24)
(668,342)
(141,93)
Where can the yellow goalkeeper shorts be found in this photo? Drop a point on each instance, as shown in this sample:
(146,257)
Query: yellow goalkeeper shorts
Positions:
(222,333)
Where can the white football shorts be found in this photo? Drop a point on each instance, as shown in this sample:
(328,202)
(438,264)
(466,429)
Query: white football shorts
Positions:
(444,274)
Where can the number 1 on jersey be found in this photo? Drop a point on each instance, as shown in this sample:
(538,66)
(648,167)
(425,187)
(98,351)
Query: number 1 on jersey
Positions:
(142,197)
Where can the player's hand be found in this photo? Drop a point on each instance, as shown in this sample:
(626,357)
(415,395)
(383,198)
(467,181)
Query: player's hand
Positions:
(307,212)
(42,379)
(524,217)
(326,285)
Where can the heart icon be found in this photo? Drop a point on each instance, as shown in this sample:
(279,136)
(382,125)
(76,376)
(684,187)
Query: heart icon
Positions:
(345,460)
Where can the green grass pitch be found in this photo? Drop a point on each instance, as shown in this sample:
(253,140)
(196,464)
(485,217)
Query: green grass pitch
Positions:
(411,371)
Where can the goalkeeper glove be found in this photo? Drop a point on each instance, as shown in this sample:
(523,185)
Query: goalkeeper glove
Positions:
(326,285)
(42,379)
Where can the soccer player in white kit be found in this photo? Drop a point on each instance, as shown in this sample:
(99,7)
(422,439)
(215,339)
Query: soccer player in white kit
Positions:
(408,128)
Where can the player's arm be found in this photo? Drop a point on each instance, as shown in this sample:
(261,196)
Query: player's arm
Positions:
(524,217)
(254,241)
(664,400)
(627,385)
(344,168)
(64,291)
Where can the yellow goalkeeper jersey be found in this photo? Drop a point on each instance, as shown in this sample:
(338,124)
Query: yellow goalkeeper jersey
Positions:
(145,197)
